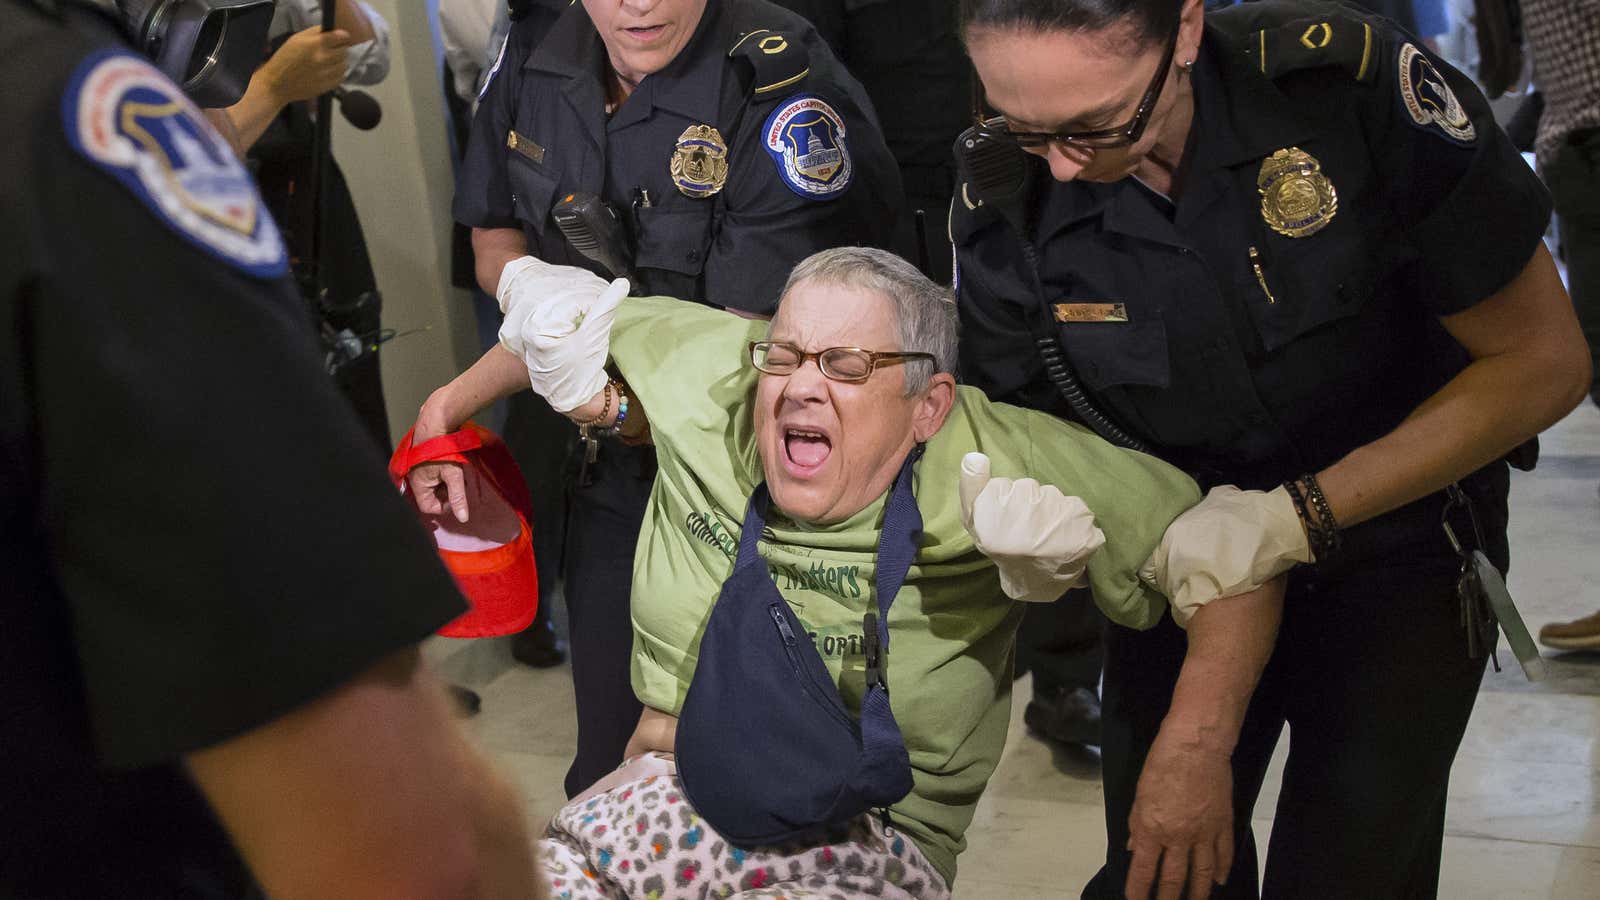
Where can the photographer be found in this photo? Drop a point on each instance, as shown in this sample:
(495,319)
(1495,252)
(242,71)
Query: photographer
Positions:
(276,128)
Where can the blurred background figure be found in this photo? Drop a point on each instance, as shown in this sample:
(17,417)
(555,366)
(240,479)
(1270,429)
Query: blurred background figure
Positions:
(1563,38)
(276,129)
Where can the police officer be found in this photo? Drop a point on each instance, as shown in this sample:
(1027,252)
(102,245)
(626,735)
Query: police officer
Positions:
(730,144)
(908,56)
(187,504)
(1284,248)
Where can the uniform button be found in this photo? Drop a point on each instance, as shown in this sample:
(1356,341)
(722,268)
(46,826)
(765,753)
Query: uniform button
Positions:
(1093,370)
(692,256)
(513,199)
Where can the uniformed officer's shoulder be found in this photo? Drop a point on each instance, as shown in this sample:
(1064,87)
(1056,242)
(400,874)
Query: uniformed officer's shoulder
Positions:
(42,38)
(1283,38)
(1328,46)
(775,43)
(98,110)
(39,45)
(802,94)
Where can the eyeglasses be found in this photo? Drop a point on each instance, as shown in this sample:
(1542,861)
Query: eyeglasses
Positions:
(852,365)
(1098,139)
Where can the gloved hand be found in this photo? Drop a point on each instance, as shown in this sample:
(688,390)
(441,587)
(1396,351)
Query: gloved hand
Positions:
(1039,538)
(1231,542)
(558,320)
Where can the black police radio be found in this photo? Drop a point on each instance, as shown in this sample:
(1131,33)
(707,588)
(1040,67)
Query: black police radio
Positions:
(1002,175)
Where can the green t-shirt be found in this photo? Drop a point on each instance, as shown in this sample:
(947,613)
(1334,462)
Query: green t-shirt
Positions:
(951,628)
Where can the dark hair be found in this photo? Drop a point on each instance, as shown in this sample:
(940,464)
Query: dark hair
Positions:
(1151,20)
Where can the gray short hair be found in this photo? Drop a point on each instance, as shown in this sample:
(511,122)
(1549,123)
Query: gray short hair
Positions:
(924,312)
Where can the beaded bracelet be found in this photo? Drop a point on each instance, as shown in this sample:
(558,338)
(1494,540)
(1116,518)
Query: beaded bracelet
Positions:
(1322,530)
(615,428)
(604,410)
(1332,536)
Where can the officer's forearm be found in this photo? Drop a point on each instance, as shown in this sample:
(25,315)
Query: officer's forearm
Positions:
(1230,641)
(492,248)
(498,373)
(1530,367)
(459,831)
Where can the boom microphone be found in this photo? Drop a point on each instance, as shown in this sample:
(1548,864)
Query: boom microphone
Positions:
(359,108)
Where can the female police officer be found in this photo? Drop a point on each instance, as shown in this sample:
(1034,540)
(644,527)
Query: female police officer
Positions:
(730,144)
(1281,245)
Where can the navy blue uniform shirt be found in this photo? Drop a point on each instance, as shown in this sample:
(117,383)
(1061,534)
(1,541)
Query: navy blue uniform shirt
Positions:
(747,64)
(196,534)
(1251,377)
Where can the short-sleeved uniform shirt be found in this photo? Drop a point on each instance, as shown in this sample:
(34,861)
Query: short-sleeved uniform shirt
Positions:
(951,628)
(196,535)
(1244,353)
(805,166)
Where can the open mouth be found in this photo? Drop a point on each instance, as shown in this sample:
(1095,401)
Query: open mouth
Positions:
(645,33)
(805,450)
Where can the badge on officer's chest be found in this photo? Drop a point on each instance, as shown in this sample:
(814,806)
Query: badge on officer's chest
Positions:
(1297,200)
(700,162)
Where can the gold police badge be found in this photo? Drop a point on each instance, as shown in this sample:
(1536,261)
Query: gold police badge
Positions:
(1297,200)
(700,162)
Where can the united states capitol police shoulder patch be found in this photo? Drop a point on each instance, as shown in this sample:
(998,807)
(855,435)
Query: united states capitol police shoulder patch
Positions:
(806,139)
(130,120)
(1428,99)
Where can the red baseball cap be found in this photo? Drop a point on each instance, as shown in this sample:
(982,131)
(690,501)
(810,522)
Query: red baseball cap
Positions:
(491,554)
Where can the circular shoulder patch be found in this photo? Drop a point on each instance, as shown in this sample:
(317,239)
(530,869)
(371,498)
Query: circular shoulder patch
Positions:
(126,117)
(806,140)
(1428,99)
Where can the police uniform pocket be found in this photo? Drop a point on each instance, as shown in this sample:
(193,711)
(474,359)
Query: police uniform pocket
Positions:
(1301,289)
(674,238)
(532,193)
(1118,353)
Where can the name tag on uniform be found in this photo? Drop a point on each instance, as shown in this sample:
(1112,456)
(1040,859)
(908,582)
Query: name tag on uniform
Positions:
(525,146)
(1090,312)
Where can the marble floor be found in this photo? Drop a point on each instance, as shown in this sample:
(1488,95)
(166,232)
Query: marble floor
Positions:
(1524,818)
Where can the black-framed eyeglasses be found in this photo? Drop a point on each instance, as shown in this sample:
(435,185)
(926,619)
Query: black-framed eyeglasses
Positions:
(852,365)
(1098,139)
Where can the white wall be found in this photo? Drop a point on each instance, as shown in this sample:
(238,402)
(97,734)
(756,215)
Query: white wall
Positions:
(401,178)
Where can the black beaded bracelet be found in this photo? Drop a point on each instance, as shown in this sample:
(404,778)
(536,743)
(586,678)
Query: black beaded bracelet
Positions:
(1332,537)
(1322,530)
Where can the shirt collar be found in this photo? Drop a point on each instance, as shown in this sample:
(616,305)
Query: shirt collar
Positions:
(691,84)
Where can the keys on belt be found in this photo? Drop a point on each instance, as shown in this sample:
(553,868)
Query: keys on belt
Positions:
(591,452)
(1485,602)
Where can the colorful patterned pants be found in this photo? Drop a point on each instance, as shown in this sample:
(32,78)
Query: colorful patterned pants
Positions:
(638,838)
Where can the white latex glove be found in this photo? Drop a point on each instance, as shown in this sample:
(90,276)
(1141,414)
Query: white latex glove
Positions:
(558,320)
(1039,538)
(1231,542)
